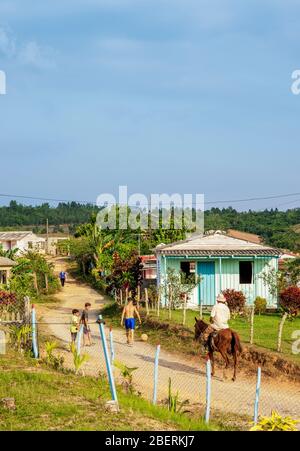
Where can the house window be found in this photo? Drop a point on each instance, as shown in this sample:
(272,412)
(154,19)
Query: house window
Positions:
(188,268)
(246,273)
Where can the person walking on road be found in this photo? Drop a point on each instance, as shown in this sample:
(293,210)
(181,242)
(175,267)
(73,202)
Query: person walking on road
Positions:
(62,278)
(129,313)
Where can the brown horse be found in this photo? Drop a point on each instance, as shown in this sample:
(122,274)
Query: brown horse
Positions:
(225,342)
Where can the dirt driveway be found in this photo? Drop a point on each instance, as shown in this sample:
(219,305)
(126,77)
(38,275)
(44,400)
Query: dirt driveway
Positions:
(187,377)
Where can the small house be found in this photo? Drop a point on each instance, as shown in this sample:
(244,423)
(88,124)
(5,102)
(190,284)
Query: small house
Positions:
(6,265)
(52,241)
(23,241)
(222,262)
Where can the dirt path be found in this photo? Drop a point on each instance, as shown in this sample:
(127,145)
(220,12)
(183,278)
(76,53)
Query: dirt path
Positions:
(187,377)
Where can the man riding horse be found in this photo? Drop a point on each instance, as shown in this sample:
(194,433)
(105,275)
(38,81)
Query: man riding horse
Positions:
(217,336)
(219,317)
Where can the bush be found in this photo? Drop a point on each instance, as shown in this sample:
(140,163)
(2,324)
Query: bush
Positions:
(236,301)
(260,305)
(276,423)
(8,301)
(290,300)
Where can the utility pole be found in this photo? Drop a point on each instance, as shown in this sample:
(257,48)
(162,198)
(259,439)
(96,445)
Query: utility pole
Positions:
(47,236)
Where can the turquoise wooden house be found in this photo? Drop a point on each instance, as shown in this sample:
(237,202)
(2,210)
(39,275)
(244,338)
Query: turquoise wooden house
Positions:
(222,262)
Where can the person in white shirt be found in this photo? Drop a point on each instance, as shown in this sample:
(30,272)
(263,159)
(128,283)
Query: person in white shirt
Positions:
(219,317)
(220,314)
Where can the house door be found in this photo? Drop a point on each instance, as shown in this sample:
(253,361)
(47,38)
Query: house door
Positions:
(207,288)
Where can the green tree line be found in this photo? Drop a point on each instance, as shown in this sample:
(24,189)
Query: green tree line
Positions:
(278,228)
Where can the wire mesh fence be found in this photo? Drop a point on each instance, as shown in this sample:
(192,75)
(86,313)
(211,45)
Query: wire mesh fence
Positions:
(134,370)
(175,376)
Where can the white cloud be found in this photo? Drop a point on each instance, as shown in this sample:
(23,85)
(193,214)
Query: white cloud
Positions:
(32,54)
(28,54)
(7,43)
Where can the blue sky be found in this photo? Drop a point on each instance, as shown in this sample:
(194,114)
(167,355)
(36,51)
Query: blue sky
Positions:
(188,96)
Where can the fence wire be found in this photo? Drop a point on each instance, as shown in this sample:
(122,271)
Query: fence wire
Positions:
(187,376)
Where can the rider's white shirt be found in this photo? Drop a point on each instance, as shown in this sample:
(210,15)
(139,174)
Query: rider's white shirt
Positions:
(220,314)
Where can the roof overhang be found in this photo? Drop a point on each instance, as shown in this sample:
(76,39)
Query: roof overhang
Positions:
(220,253)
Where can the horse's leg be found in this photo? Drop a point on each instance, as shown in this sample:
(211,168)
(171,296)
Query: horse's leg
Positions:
(234,364)
(225,357)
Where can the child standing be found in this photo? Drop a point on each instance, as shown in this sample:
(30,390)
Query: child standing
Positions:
(75,321)
(87,337)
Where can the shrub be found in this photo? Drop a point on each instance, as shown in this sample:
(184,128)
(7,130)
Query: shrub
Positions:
(275,423)
(290,300)
(260,305)
(174,405)
(8,301)
(236,301)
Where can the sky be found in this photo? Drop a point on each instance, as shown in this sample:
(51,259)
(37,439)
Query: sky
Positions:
(164,96)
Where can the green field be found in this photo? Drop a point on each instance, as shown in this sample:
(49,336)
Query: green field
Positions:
(265,329)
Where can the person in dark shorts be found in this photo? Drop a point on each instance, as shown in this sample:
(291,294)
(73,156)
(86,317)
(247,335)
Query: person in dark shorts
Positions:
(129,312)
(75,321)
(87,337)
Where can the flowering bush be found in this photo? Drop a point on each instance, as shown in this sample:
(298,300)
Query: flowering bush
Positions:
(7,298)
(290,300)
(260,305)
(8,301)
(236,301)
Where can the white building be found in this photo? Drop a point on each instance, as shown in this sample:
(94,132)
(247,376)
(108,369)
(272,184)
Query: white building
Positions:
(23,241)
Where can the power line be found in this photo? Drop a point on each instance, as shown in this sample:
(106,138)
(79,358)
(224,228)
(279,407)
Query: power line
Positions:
(228,201)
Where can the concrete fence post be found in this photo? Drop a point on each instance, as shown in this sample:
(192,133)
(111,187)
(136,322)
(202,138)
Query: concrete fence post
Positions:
(107,360)
(155,384)
(35,348)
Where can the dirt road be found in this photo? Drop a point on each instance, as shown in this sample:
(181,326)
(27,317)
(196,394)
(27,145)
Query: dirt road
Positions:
(187,377)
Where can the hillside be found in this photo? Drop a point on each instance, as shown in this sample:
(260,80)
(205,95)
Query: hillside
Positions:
(277,228)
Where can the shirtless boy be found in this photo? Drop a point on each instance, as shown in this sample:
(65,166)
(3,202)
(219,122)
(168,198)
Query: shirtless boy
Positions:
(129,313)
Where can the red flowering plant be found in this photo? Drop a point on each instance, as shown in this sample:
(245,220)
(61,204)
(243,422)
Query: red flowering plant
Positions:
(8,301)
(290,300)
(235,300)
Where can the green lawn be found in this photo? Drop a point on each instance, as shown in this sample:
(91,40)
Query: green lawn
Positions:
(265,330)
(49,400)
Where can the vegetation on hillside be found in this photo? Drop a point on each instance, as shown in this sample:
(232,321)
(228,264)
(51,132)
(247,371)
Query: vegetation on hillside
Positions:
(278,228)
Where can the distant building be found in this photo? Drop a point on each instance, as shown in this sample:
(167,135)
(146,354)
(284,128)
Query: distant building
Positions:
(22,240)
(149,270)
(251,237)
(52,240)
(222,262)
(6,265)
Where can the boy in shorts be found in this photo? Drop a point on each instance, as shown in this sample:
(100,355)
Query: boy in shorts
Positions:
(87,338)
(129,313)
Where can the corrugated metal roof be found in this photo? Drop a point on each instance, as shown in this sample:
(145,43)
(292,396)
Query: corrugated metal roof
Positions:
(13,236)
(216,244)
(4,261)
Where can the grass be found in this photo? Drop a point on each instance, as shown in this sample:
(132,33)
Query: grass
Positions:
(265,330)
(49,400)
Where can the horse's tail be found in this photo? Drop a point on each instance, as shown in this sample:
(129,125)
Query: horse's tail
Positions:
(236,343)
